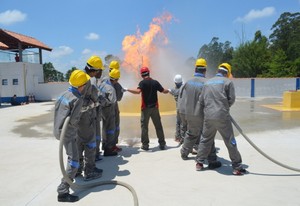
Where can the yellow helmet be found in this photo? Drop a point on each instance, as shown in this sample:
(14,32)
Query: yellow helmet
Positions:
(115,74)
(227,67)
(78,78)
(95,62)
(201,63)
(114,65)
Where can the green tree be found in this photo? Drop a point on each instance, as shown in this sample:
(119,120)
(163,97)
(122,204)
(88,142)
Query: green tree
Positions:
(51,74)
(215,53)
(68,73)
(250,58)
(286,35)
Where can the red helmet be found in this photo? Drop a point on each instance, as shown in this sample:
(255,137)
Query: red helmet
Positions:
(144,71)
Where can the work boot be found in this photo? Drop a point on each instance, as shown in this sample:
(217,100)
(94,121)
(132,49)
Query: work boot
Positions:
(110,152)
(116,149)
(214,165)
(199,166)
(67,198)
(162,147)
(93,175)
(184,156)
(239,171)
(145,147)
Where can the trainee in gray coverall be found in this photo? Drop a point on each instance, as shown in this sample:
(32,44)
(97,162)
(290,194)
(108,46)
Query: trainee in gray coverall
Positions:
(119,95)
(86,137)
(108,114)
(218,95)
(68,104)
(194,117)
(175,93)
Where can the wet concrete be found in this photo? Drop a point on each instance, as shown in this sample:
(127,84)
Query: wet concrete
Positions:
(250,114)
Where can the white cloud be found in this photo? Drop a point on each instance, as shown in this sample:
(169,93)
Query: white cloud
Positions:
(12,16)
(256,14)
(92,36)
(86,51)
(61,51)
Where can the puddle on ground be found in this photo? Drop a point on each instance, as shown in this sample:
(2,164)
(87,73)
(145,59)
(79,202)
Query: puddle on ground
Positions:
(37,127)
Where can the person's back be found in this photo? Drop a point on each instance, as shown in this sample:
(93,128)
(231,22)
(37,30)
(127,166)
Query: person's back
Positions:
(217,96)
(149,88)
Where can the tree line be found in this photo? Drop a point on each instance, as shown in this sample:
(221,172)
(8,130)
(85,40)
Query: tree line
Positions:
(275,56)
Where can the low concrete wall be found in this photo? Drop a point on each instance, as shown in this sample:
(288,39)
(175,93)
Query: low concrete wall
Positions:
(245,87)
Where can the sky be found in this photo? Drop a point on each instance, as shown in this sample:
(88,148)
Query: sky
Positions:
(77,29)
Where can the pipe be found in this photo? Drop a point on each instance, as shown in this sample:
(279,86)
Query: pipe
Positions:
(259,150)
(87,185)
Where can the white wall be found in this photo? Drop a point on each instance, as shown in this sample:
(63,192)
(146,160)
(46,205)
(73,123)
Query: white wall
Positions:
(264,87)
(28,75)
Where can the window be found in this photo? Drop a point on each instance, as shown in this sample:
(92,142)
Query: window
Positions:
(15,81)
(4,82)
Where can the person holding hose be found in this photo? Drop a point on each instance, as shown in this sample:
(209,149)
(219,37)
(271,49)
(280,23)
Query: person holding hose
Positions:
(149,87)
(218,95)
(86,134)
(119,94)
(70,104)
(108,113)
(194,117)
(179,131)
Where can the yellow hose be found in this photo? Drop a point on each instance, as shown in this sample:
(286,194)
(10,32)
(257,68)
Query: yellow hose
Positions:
(87,185)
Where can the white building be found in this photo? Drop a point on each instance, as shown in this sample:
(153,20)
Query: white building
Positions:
(20,75)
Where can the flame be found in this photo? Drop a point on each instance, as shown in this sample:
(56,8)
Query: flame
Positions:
(139,48)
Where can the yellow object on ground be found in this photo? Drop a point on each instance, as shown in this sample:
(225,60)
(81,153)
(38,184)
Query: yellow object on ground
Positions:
(291,102)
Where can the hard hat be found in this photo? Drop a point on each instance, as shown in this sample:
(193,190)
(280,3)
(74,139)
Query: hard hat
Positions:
(115,74)
(201,63)
(178,79)
(227,67)
(114,65)
(95,62)
(78,78)
(144,71)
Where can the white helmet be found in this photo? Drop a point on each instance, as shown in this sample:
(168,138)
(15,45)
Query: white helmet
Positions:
(178,79)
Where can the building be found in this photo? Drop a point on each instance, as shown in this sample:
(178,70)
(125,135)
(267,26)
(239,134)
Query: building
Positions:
(21,65)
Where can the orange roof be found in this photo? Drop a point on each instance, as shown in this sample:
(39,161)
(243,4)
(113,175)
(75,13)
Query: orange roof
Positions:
(12,40)
(3,46)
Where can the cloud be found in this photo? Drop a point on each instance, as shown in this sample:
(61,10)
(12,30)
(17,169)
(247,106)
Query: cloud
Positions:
(61,51)
(86,51)
(256,14)
(12,16)
(92,36)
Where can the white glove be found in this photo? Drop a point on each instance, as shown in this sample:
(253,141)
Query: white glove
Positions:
(124,89)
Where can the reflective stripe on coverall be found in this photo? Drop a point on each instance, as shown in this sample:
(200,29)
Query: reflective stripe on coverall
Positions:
(218,95)
(194,117)
(69,103)
(86,137)
(108,114)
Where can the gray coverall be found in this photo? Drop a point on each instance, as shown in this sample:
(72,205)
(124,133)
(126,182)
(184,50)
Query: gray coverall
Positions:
(181,104)
(68,104)
(218,95)
(86,136)
(194,116)
(175,93)
(119,95)
(96,82)
(107,90)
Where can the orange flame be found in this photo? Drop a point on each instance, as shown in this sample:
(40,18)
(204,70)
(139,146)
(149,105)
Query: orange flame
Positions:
(139,48)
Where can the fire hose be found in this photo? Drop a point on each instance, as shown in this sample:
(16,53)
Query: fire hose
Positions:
(75,186)
(259,150)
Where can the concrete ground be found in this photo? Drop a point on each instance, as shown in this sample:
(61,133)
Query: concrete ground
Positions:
(30,169)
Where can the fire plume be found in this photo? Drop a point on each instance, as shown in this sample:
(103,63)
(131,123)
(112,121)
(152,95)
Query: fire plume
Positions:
(139,48)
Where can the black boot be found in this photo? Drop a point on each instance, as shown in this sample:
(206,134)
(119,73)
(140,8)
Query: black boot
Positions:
(110,152)
(67,198)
